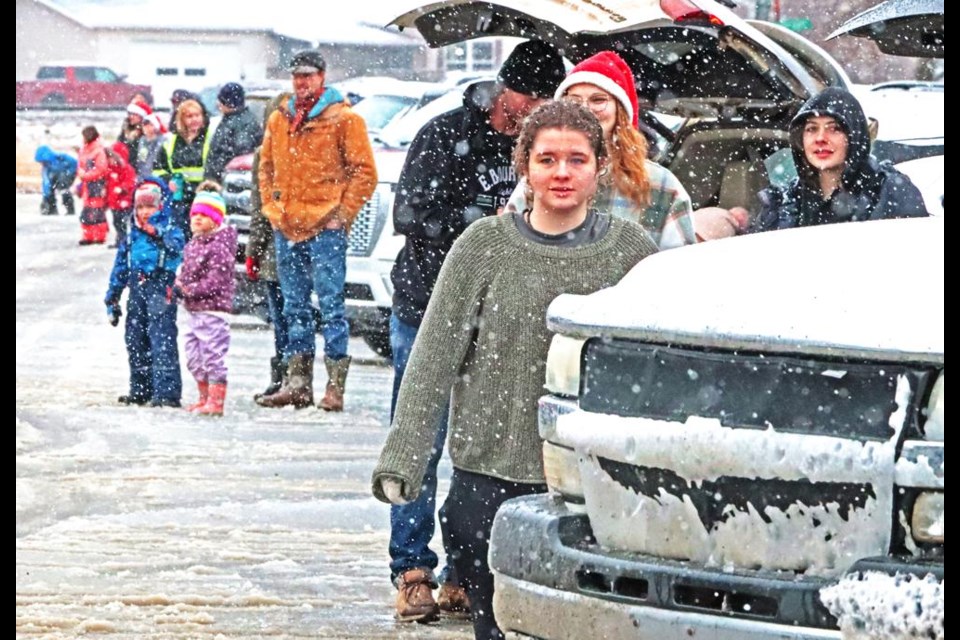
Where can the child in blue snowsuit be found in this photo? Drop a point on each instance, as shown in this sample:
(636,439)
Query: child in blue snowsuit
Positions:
(58,173)
(146,262)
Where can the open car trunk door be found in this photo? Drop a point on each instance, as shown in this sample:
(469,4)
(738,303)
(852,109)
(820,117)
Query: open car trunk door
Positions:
(900,27)
(682,50)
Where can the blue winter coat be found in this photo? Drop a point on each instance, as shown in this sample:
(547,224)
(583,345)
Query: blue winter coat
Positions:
(59,169)
(142,254)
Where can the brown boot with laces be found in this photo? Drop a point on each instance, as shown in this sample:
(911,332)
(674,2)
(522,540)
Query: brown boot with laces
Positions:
(453,601)
(415,601)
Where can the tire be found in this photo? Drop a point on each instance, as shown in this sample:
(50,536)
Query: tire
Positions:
(53,101)
(379,343)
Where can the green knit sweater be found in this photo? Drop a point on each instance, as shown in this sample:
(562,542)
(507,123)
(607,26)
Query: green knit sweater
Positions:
(485,337)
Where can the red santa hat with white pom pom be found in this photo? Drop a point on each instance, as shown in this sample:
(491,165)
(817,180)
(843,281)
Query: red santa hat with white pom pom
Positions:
(611,73)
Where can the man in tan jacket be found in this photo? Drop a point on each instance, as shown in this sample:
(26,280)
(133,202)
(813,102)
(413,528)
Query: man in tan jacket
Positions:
(316,172)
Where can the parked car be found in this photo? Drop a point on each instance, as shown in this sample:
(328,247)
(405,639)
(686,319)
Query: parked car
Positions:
(253,90)
(77,85)
(745,462)
(907,28)
(719,91)
(914,144)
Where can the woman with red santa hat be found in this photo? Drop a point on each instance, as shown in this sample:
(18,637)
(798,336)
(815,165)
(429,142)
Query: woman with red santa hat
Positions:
(138,110)
(634,188)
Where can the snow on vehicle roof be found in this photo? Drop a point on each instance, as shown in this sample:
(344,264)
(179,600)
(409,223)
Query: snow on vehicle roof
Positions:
(858,289)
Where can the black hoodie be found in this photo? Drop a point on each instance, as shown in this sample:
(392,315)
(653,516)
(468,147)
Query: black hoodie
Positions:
(458,170)
(869,190)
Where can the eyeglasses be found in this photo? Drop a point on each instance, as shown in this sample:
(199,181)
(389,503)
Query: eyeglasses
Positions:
(596,102)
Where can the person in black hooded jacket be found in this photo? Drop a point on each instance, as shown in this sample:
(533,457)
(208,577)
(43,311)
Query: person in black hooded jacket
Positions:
(837,178)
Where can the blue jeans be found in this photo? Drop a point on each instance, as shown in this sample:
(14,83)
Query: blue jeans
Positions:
(275,306)
(316,265)
(151,338)
(412,525)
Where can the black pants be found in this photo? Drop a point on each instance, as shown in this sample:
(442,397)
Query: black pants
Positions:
(121,220)
(472,502)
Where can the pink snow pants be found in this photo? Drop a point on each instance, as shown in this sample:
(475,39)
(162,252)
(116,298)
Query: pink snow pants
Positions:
(206,342)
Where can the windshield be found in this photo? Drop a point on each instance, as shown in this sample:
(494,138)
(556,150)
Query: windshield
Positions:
(400,132)
(378,110)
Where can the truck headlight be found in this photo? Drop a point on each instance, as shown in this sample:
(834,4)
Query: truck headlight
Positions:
(562,472)
(563,366)
(934,426)
(926,524)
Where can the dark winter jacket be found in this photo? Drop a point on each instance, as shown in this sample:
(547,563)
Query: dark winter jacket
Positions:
(206,278)
(143,255)
(458,170)
(869,190)
(177,157)
(130,136)
(260,241)
(238,133)
(59,169)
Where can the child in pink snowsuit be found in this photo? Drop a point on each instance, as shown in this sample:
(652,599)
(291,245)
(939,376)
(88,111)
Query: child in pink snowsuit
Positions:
(205,285)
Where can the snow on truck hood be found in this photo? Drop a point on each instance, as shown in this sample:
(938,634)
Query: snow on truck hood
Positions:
(864,289)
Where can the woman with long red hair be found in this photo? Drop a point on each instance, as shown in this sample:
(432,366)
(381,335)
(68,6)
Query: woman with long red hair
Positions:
(633,187)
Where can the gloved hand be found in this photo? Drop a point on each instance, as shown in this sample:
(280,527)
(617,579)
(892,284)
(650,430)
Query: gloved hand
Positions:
(253,268)
(114,313)
(393,490)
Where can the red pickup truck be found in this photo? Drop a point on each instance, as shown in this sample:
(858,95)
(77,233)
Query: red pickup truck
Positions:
(76,86)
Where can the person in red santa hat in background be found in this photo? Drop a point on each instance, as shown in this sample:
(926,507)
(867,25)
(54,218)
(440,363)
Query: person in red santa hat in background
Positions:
(148,147)
(138,111)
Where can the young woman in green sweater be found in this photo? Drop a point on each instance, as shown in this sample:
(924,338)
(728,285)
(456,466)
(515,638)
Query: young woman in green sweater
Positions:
(483,343)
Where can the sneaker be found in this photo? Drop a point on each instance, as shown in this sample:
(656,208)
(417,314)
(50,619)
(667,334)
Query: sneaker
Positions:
(415,601)
(453,601)
(133,400)
(165,402)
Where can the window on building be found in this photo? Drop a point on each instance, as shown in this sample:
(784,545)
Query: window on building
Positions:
(470,56)
(482,56)
(195,73)
(167,71)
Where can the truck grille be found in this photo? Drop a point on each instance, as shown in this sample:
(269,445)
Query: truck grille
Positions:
(844,399)
(363,233)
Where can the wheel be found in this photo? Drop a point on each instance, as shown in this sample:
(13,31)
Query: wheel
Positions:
(379,343)
(53,100)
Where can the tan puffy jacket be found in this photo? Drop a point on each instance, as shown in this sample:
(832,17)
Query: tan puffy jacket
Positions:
(326,169)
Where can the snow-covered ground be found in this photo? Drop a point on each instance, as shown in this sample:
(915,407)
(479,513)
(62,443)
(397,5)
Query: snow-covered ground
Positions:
(152,523)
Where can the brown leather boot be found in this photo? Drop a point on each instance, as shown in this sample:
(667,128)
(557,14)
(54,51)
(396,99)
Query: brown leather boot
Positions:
(297,391)
(453,601)
(337,370)
(415,596)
